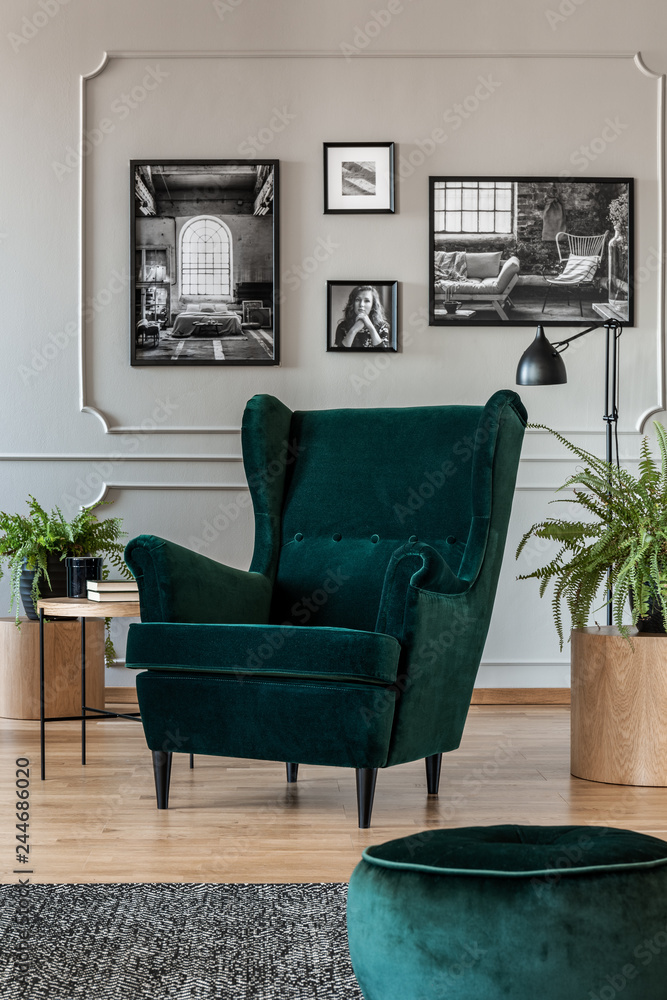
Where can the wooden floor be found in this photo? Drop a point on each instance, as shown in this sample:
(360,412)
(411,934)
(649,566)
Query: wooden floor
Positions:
(238,820)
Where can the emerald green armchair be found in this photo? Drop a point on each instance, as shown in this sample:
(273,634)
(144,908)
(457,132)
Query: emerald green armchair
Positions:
(355,637)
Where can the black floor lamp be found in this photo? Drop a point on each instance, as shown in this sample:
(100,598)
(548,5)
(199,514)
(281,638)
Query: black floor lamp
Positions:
(542,364)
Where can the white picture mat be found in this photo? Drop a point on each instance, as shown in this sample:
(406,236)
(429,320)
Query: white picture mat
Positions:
(337,155)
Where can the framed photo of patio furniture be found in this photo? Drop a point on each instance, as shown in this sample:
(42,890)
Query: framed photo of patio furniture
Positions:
(358,177)
(527,250)
(203,246)
(362,315)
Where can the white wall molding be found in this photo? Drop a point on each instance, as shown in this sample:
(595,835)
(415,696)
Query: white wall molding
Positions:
(86,406)
(117,429)
(211,487)
(63,457)
(530,662)
(28,457)
(337,54)
(661,374)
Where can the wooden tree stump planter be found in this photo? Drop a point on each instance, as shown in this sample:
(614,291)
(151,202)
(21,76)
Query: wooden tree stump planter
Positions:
(619,707)
(19,668)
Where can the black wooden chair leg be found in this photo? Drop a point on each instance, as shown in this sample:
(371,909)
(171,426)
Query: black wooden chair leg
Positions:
(292,771)
(366,778)
(433,765)
(162,774)
(192,760)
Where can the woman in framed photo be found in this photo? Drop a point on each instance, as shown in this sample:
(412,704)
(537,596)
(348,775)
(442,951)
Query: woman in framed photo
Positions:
(364,324)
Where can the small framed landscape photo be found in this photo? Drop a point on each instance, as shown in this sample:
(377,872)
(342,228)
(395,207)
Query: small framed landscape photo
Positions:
(358,177)
(362,315)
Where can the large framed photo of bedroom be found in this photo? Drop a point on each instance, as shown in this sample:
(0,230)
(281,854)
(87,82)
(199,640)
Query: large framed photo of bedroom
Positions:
(204,260)
(527,250)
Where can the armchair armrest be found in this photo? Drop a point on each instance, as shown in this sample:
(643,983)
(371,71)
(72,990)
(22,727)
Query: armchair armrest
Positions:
(179,585)
(418,566)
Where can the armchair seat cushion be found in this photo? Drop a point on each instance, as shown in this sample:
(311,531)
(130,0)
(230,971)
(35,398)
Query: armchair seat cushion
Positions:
(244,651)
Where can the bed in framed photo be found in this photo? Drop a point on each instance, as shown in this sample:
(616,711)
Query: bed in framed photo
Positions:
(206,320)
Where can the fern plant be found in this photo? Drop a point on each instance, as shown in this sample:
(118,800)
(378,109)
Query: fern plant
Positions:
(627,535)
(28,540)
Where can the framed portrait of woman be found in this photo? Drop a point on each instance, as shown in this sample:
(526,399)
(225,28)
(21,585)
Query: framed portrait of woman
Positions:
(362,315)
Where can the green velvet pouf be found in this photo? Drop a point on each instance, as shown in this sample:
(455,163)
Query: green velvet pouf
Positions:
(520,912)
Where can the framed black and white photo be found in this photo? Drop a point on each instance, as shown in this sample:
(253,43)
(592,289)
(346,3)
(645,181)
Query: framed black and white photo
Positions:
(204,260)
(527,250)
(358,177)
(362,315)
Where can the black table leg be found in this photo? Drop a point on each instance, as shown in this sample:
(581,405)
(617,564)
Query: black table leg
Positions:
(83,690)
(41,692)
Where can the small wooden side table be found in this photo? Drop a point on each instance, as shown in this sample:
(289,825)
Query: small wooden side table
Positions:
(75,607)
(619,707)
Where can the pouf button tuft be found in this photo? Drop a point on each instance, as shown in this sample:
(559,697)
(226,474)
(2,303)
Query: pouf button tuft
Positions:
(337,536)
(375,539)
(298,537)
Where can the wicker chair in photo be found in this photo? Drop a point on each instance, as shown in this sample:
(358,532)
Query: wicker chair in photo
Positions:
(580,263)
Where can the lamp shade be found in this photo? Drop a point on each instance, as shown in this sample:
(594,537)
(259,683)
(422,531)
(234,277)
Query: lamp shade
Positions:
(541,364)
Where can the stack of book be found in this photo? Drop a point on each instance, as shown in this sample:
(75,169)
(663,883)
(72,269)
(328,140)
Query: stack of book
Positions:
(112,590)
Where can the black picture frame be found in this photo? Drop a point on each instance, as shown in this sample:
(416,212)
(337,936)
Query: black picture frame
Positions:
(204,239)
(339,298)
(542,222)
(364,183)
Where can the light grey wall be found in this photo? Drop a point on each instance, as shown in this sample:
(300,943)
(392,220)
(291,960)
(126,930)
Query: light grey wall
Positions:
(521,87)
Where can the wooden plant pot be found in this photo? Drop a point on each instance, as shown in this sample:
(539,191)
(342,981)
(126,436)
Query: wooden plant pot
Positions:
(619,707)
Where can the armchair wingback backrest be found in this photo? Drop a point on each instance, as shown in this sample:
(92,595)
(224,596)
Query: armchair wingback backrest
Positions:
(336,492)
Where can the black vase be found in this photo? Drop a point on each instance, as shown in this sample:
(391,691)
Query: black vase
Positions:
(58,577)
(654,621)
(80,569)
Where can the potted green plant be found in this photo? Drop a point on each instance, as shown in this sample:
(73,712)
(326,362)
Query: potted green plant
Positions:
(623,529)
(34,547)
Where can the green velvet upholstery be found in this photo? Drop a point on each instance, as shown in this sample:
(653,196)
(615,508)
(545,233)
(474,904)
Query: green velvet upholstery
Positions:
(178,585)
(379,535)
(264,718)
(270,650)
(269,449)
(511,913)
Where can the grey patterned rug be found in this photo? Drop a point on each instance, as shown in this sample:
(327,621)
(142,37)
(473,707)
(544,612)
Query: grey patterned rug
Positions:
(176,942)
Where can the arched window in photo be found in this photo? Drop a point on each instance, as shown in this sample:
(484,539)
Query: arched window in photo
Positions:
(206,257)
